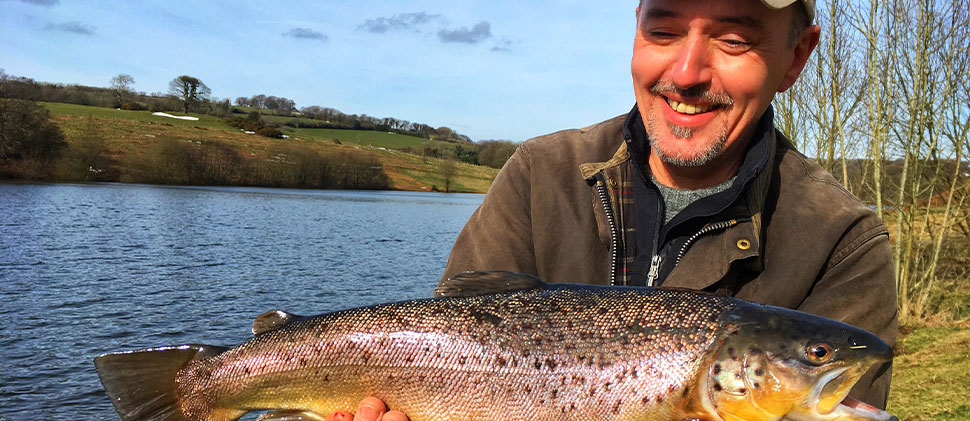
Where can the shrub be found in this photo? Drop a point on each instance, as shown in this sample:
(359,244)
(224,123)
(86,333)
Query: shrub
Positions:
(270,132)
(134,106)
(245,124)
(27,132)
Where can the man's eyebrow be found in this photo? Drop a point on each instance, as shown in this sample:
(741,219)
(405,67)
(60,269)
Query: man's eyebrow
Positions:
(654,13)
(742,20)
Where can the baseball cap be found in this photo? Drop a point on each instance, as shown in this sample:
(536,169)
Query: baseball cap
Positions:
(781,4)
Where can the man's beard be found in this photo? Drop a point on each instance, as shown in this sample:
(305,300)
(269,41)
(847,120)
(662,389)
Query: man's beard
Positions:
(711,151)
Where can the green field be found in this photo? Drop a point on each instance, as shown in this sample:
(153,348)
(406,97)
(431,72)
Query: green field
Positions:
(931,374)
(371,138)
(206,121)
(356,137)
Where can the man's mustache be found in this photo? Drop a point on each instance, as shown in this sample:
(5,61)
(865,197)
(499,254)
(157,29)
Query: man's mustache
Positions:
(697,92)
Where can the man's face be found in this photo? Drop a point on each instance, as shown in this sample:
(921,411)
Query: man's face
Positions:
(704,71)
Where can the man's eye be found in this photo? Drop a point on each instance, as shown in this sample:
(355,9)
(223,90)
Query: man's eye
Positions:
(736,44)
(661,37)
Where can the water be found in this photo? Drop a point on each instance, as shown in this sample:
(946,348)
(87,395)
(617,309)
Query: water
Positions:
(88,269)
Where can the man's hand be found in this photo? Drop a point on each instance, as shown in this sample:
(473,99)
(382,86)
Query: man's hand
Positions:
(370,409)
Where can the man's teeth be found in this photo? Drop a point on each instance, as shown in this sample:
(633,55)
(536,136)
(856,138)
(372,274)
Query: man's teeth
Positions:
(682,108)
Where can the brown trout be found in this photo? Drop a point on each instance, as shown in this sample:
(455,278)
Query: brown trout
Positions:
(530,351)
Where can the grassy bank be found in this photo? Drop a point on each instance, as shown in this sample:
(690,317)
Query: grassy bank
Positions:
(128,146)
(931,374)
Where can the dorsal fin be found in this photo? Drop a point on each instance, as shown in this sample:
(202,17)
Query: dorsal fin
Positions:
(272,320)
(472,284)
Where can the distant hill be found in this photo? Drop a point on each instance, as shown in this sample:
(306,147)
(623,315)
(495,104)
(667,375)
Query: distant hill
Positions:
(136,146)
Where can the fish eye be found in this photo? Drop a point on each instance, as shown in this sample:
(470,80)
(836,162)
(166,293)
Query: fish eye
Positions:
(820,353)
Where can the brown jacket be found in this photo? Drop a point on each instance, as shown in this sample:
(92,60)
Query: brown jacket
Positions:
(808,244)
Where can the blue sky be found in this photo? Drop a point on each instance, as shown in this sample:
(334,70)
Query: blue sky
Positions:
(489,69)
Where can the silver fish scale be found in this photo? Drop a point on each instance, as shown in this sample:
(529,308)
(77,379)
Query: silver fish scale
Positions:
(553,353)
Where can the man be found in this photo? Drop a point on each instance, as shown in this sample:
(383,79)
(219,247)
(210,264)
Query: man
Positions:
(694,187)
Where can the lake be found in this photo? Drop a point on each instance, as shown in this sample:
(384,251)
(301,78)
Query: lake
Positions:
(92,268)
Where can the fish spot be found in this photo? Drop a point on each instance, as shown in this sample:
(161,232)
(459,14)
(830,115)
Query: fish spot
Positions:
(501,361)
(755,351)
(742,390)
(616,406)
(757,385)
(717,369)
(538,364)
(551,363)
(645,400)
(759,372)
(717,387)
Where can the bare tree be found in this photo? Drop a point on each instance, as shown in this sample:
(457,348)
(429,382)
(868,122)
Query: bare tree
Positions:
(448,169)
(121,85)
(883,104)
(189,91)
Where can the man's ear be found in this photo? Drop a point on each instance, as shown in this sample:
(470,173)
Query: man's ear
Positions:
(806,43)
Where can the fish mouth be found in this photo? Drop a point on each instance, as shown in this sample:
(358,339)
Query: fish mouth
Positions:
(829,400)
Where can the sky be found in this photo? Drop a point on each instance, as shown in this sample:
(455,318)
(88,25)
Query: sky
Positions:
(492,69)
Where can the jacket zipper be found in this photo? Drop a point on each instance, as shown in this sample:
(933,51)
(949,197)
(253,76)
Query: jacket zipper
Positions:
(657,259)
(614,235)
(707,229)
(654,272)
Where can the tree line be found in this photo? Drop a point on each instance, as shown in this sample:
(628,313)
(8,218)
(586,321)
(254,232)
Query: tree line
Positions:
(884,105)
(190,94)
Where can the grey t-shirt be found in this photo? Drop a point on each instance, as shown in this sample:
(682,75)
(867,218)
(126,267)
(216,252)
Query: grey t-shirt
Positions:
(675,200)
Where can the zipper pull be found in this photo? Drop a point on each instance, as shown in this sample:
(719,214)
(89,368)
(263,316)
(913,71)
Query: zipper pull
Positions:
(654,270)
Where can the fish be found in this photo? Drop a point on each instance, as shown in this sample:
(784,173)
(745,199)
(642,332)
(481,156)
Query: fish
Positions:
(502,345)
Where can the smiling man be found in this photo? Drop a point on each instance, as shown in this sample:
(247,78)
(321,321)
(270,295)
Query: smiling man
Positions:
(694,187)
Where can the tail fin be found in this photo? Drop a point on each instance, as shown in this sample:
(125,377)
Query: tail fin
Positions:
(141,384)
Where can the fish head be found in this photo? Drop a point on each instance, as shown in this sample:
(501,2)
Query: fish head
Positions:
(775,363)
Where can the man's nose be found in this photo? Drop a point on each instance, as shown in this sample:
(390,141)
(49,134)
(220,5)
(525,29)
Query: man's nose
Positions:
(692,66)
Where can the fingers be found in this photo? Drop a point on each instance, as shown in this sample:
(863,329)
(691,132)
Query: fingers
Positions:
(394,416)
(340,416)
(370,409)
